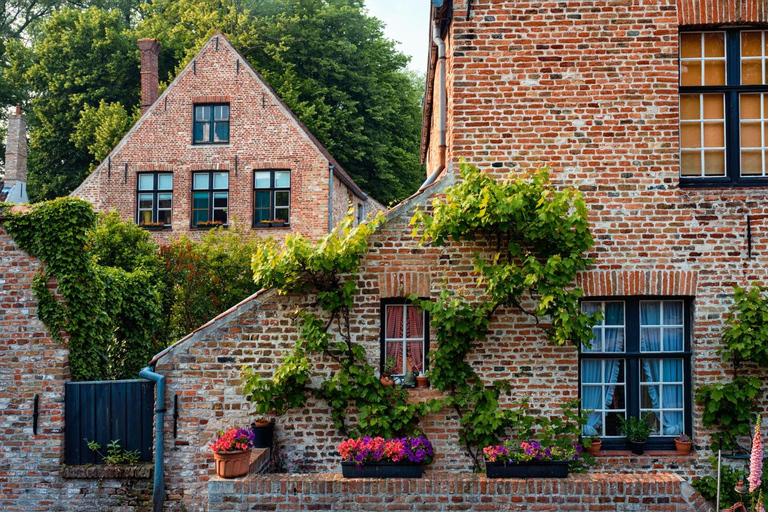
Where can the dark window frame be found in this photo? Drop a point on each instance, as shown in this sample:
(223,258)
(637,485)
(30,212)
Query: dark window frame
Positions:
(211,122)
(396,301)
(272,189)
(210,191)
(731,92)
(632,356)
(155,191)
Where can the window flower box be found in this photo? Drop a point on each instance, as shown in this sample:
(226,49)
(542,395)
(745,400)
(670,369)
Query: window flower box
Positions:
(530,469)
(376,457)
(154,226)
(209,224)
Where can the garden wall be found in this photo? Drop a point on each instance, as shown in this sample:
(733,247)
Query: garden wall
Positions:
(32,473)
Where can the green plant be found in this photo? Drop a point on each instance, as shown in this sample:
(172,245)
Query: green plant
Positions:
(115,453)
(729,478)
(636,429)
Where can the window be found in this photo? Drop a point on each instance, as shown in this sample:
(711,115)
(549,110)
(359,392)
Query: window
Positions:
(210,199)
(404,337)
(639,363)
(271,197)
(211,125)
(723,108)
(360,214)
(154,199)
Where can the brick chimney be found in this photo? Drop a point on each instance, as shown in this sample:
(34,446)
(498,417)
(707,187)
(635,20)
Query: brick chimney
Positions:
(150,49)
(16,150)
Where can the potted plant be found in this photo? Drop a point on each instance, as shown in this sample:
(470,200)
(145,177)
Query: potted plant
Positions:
(386,373)
(683,444)
(208,224)
(422,379)
(593,444)
(529,459)
(278,223)
(376,457)
(637,431)
(263,432)
(232,452)
(152,225)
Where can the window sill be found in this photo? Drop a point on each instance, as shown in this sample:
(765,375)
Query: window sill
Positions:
(268,226)
(648,453)
(104,471)
(722,184)
(208,228)
(211,144)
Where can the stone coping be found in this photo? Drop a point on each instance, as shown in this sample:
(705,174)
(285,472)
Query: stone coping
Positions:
(104,471)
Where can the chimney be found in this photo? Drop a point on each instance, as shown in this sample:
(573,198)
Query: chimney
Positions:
(16,150)
(150,49)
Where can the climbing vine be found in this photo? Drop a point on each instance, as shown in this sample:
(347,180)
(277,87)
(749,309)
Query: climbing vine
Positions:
(326,271)
(107,312)
(539,236)
(730,406)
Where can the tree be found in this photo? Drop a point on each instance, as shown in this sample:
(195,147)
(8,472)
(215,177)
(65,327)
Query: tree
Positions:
(80,59)
(330,63)
(101,128)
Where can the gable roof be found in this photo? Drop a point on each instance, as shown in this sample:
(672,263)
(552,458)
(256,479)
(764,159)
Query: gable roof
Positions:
(215,39)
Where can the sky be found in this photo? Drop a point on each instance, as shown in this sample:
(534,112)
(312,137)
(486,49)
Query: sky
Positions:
(406,21)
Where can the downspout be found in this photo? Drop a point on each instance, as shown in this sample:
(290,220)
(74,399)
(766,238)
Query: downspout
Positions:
(158,490)
(442,108)
(330,197)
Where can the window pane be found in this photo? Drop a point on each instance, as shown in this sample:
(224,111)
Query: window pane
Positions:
(221,131)
(220,216)
(590,307)
(650,313)
(394,319)
(751,44)
(690,45)
(221,180)
(164,216)
(282,215)
(394,356)
(714,135)
(282,198)
(199,216)
(261,200)
(260,215)
(613,423)
(650,339)
(714,44)
(714,106)
(221,113)
(690,135)
(414,322)
(690,106)
(202,113)
(690,72)
(145,201)
(200,132)
(614,339)
(146,181)
(200,201)
(282,179)
(164,200)
(714,163)
(673,312)
(751,72)
(200,180)
(752,163)
(690,163)
(165,181)
(751,135)
(714,72)
(614,313)
(220,199)
(591,371)
(261,179)
(673,339)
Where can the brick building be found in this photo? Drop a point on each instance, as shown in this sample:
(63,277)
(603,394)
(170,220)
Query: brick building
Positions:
(218,146)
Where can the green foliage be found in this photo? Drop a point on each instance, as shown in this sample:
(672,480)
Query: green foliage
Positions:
(108,312)
(730,407)
(326,269)
(746,333)
(540,236)
(729,478)
(205,278)
(636,429)
(101,128)
(115,453)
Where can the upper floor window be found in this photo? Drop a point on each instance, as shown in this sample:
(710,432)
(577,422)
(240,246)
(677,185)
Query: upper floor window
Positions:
(404,341)
(723,108)
(211,124)
(271,197)
(154,199)
(638,365)
(210,199)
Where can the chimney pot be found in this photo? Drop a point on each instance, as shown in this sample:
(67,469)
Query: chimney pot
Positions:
(150,83)
(18,110)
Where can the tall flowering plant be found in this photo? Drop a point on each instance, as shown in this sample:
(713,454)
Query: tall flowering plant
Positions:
(233,440)
(756,467)
(416,450)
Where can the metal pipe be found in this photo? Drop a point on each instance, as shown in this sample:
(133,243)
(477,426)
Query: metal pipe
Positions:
(158,490)
(330,197)
(442,104)
(719,462)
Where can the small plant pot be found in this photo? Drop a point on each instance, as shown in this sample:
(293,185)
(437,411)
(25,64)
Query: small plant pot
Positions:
(683,448)
(263,434)
(637,448)
(387,381)
(422,382)
(595,448)
(232,464)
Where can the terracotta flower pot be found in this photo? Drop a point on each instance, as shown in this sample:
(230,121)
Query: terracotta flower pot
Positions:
(595,448)
(683,448)
(422,382)
(387,381)
(232,464)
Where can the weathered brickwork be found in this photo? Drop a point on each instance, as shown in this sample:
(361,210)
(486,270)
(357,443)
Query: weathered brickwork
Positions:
(31,363)
(264,134)
(621,493)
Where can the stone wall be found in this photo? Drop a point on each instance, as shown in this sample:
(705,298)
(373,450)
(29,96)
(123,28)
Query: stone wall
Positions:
(662,492)
(32,471)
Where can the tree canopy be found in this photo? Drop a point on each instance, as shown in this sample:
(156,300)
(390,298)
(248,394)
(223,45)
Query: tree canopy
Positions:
(327,59)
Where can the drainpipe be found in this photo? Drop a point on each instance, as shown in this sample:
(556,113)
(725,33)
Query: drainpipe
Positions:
(442,108)
(330,197)
(158,491)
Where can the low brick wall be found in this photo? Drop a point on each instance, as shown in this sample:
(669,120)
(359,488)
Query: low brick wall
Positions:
(449,492)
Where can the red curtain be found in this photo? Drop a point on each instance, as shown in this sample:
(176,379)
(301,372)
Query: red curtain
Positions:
(415,329)
(395,330)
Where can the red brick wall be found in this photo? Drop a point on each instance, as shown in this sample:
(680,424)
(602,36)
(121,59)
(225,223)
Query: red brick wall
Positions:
(263,135)
(31,363)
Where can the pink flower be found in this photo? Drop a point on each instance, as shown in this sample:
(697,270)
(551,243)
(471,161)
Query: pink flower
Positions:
(759,506)
(756,459)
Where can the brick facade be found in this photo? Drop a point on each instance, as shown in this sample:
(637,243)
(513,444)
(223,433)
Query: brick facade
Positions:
(32,475)
(264,134)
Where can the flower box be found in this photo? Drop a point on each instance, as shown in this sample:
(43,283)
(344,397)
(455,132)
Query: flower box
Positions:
(382,470)
(531,469)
